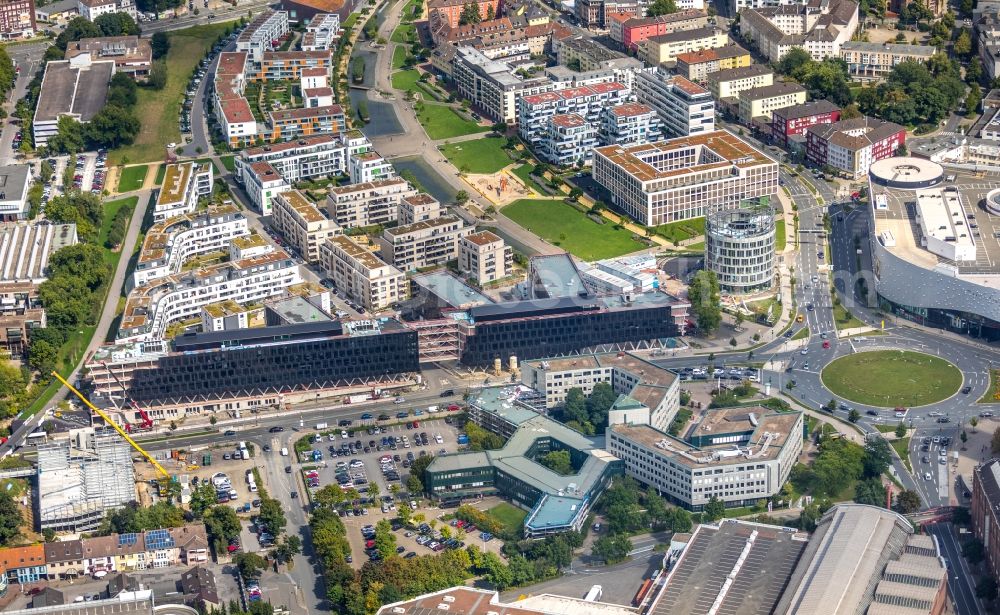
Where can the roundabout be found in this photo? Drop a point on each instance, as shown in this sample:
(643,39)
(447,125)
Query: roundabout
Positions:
(889,378)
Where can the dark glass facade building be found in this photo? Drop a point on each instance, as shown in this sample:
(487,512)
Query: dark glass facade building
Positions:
(275,359)
(551,328)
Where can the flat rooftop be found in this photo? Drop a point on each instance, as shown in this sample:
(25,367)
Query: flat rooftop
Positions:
(358,253)
(759,560)
(555,276)
(450,289)
(302,206)
(896,226)
(78,91)
(769,433)
(25,249)
(470,601)
(714,150)
(175,183)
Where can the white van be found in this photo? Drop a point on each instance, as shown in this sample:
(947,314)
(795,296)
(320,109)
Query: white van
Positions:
(284,451)
(253,487)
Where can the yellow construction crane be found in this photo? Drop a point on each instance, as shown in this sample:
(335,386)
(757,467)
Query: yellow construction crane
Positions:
(108,420)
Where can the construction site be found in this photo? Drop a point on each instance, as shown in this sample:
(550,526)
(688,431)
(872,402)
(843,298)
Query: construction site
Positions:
(82,478)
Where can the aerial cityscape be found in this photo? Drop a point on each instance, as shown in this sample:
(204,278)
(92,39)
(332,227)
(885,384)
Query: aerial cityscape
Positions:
(500,307)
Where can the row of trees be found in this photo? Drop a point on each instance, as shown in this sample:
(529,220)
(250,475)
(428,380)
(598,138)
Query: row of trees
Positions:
(627,510)
(133,518)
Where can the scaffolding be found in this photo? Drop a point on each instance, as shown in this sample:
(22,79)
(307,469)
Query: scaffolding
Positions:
(78,484)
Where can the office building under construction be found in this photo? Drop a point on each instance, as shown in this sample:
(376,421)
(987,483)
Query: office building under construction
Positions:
(81,479)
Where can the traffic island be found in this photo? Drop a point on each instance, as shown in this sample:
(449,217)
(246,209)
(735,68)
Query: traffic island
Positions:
(890,378)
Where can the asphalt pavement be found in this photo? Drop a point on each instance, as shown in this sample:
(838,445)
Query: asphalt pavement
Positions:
(959,576)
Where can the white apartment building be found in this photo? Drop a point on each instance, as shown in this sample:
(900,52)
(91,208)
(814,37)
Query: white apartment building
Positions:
(684,178)
(321,33)
(741,456)
(684,107)
(265,28)
(170,243)
(310,78)
(261,182)
(369,166)
(652,393)
(485,257)
(183,183)
(819,28)
(361,275)
(365,204)
(92,9)
(629,124)
(730,82)
(314,156)
(568,139)
(422,244)
(762,102)
(491,85)
(418,207)
(301,223)
(535,111)
(152,308)
(656,50)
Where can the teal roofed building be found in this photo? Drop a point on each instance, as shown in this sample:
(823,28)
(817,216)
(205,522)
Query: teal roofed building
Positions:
(556,502)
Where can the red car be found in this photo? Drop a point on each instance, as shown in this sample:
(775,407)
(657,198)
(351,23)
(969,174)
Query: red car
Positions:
(453,408)
(369,544)
(826,343)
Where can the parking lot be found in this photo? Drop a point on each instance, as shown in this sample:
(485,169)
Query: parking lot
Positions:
(373,454)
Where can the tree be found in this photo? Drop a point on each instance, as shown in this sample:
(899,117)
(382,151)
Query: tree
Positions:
(385,540)
(901,430)
(907,502)
(117,24)
(222,525)
(966,6)
(612,549)
(714,510)
(558,462)
(987,588)
(250,565)
(974,71)
(794,60)
(703,294)
(461,197)
(661,7)
(42,356)
(69,137)
(113,126)
(76,29)
(602,397)
(202,498)
(289,547)
(900,38)
(470,14)
(963,44)
(853,416)
(850,112)
(995,443)
(870,491)
(839,463)
(416,477)
(158,75)
(10,519)
(973,422)
(877,457)
(160,44)
(490,13)
(972,100)
(964,438)
(496,572)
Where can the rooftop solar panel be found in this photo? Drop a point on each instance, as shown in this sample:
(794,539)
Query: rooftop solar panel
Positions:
(127,539)
(159,539)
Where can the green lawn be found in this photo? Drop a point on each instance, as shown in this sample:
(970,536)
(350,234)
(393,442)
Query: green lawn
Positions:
(988,396)
(524,173)
(229,162)
(398,57)
(403,33)
(159,109)
(565,226)
(801,334)
(350,21)
(110,209)
(482,156)
(405,80)
(779,234)
(70,353)
(442,122)
(511,516)
(131,178)
(685,229)
(844,319)
(889,378)
(902,447)
(697,247)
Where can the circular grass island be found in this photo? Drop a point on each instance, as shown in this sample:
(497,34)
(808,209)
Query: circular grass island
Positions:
(890,378)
